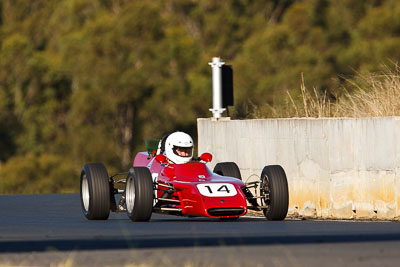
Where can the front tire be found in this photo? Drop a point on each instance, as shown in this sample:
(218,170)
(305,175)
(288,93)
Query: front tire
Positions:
(274,188)
(95,191)
(228,169)
(139,194)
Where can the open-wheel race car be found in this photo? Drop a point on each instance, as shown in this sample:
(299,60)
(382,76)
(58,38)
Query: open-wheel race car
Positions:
(155,184)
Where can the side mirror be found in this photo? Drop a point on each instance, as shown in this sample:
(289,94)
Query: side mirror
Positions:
(161,158)
(206,157)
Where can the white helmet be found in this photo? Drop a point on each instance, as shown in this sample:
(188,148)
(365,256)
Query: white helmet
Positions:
(179,147)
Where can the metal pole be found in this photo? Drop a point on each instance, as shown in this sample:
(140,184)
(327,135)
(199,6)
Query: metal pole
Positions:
(216,66)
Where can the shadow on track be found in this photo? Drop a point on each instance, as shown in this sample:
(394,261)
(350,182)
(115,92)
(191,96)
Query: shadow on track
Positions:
(127,243)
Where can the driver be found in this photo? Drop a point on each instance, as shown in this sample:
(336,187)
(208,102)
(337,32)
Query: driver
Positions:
(179,147)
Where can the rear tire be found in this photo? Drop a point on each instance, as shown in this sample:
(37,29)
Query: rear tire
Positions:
(274,183)
(228,169)
(95,191)
(139,194)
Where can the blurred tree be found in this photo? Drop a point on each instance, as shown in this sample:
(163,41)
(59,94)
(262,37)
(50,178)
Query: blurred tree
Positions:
(91,80)
(114,72)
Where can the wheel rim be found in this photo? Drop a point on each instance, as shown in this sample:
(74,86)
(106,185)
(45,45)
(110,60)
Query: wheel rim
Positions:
(265,192)
(85,193)
(130,195)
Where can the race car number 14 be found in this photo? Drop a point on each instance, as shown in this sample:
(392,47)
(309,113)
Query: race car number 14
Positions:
(217,190)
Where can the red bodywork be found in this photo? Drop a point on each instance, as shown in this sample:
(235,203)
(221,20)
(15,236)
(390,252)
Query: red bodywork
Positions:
(188,180)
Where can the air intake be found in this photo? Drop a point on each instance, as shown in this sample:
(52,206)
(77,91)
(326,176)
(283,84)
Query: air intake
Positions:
(226,211)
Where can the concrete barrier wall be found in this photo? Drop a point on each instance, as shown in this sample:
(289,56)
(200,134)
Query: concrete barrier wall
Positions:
(339,168)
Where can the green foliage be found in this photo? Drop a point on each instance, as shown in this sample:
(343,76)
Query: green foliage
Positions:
(45,173)
(325,40)
(91,80)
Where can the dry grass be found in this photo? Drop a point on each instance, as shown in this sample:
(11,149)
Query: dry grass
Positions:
(84,258)
(376,95)
(313,104)
(371,95)
(70,263)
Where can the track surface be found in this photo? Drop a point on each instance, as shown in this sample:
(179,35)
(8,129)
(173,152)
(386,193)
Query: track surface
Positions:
(50,229)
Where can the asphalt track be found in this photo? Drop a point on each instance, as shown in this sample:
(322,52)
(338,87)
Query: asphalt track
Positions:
(44,230)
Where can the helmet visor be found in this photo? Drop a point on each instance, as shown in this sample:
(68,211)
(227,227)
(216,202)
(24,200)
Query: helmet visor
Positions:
(183,151)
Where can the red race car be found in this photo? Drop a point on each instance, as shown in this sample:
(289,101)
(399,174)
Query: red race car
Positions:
(154,184)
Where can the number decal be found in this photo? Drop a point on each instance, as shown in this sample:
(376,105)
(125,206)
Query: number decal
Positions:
(209,189)
(217,190)
(223,188)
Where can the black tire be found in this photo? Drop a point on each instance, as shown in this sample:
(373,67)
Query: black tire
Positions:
(274,183)
(228,169)
(139,194)
(95,191)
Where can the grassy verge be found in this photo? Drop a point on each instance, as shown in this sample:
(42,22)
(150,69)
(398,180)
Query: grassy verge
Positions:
(366,95)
